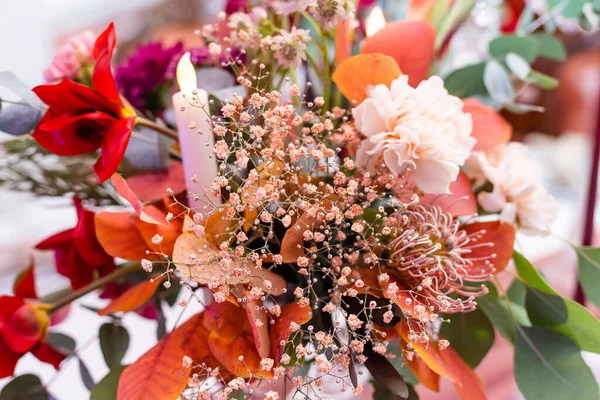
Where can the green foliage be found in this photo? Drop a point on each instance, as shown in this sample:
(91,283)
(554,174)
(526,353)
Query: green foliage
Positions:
(550,47)
(107,388)
(24,387)
(114,340)
(524,46)
(61,342)
(548,310)
(467,81)
(471,335)
(548,365)
(589,272)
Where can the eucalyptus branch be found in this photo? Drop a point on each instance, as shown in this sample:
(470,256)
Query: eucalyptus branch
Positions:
(163,130)
(125,270)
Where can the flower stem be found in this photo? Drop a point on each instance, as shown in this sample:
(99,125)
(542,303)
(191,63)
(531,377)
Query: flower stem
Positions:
(125,270)
(163,130)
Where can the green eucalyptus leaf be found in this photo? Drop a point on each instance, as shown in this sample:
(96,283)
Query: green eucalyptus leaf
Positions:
(497,82)
(524,46)
(86,377)
(548,365)
(550,47)
(548,310)
(114,340)
(542,80)
(471,335)
(61,342)
(518,65)
(106,389)
(467,81)
(25,387)
(519,108)
(589,272)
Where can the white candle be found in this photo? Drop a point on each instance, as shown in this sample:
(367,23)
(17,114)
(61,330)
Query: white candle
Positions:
(195,134)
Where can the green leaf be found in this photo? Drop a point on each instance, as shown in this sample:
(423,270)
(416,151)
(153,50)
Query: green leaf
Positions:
(114,340)
(497,82)
(63,343)
(548,365)
(518,65)
(520,108)
(25,387)
(542,80)
(567,8)
(516,292)
(550,47)
(467,81)
(589,272)
(526,47)
(106,389)
(548,310)
(86,377)
(237,395)
(383,393)
(471,335)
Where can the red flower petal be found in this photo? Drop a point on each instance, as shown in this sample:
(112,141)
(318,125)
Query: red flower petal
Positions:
(72,98)
(410,43)
(24,286)
(22,326)
(8,360)
(48,354)
(152,185)
(59,240)
(102,77)
(113,148)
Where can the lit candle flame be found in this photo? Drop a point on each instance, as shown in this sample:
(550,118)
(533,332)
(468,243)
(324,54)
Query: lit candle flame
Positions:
(375,21)
(186,74)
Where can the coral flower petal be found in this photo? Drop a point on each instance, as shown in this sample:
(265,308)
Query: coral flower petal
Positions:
(357,73)
(461,202)
(409,43)
(496,241)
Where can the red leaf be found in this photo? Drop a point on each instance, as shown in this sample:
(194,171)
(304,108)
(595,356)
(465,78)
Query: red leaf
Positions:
(424,374)
(24,286)
(489,127)
(259,326)
(281,331)
(125,191)
(133,298)
(159,373)
(410,43)
(460,202)
(151,186)
(502,237)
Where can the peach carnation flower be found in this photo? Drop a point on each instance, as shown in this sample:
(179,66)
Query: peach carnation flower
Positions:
(518,193)
(423,129)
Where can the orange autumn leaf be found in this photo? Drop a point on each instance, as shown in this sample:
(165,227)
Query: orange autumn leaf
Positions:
(424,374)
(470,387)
(500,234)
(231,337)
(343,41)
(281,331)
(259,326)
(409,43)
(355,74)
(428,353)
(118,234)
(170,231)
(158,373)
(133,298)
(461,202)
(489,127)
(292,243)
(125,191)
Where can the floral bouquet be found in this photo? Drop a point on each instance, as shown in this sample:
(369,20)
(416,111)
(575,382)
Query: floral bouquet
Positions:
(340,218)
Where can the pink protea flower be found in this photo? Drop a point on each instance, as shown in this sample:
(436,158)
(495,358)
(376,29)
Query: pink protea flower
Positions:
(70,59)
(435,256)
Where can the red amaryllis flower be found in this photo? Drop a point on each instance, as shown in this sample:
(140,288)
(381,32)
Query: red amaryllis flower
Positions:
(81,119)
(23,327)
(78,254)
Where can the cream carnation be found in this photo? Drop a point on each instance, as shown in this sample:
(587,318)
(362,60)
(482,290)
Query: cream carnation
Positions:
(422,128)
(518,193)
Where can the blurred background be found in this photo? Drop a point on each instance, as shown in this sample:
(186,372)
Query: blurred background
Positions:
(560,140)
